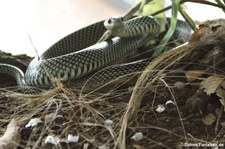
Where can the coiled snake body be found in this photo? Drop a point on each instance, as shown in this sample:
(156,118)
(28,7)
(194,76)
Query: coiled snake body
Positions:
(65,61)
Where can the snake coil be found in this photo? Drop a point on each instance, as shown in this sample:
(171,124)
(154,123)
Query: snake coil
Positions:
(79,54)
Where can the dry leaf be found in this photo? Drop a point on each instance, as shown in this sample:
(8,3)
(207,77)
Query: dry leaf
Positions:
(11,138)
(209,119)
(136,146)
(211,84)
(198,33)
(193,74)
(215,84)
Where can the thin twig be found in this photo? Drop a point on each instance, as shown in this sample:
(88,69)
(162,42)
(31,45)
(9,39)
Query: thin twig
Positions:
(178,110)
(134,9)
(35,49)
(219,119)
(221,4)
(187,17)
(184,1)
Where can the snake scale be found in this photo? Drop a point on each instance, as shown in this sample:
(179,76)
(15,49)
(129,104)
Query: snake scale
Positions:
(78,54)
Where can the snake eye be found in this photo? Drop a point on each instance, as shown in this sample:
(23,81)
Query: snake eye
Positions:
(109,21)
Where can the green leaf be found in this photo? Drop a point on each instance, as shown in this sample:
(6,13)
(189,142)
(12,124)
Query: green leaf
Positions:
(148,8)
(173,22)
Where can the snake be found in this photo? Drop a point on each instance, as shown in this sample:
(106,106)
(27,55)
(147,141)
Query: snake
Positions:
(78,54)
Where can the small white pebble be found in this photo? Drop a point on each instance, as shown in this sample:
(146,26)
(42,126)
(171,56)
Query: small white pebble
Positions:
(33,122)
(72,138)
(160,108)
(51,140)
(109,122)
(138,136)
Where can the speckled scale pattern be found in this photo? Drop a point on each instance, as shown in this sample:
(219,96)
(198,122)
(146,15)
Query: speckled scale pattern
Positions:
(147,25)
(73,56)
(13,72)
(115,71)
(80,63)
(76,41)
(182,32)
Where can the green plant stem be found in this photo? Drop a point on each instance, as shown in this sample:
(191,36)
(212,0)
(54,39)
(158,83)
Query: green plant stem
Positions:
(173,22)
(184,1)
(187,17)
(221,4)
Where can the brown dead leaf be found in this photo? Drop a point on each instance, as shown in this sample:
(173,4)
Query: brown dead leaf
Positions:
(211,84)
(215,84)
(136,146)
(193,74)
(198,33)
(11,137)
(209,119)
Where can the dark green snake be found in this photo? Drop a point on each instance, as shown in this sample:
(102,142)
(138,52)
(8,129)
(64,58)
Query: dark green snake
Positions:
(79,54)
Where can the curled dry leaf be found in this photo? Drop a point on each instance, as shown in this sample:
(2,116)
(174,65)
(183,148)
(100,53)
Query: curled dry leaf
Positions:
(11,137)
(136,146)
(211,84)
(209,119)
(198,33)
(193,74)
(215,84)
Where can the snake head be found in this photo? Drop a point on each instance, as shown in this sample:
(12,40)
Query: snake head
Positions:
(113,23)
